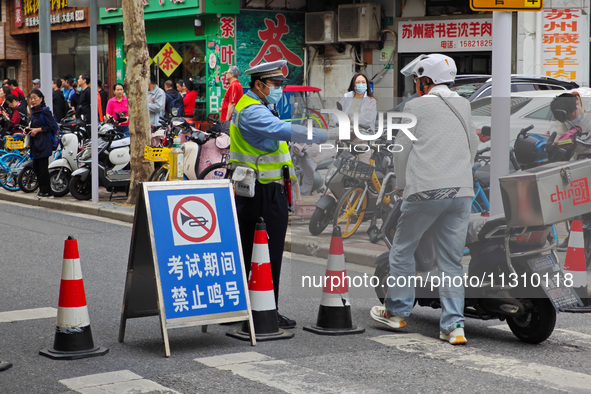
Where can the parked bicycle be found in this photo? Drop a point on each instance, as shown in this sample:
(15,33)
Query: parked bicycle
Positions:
(353,205)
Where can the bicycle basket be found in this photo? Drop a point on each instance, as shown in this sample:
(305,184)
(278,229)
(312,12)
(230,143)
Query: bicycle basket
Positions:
(13,144)
(356,169)
(156,154)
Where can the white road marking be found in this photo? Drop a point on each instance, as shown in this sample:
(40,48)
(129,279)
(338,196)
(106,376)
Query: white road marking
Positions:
(280,374)
(119,382)
(27,314)
(470,358)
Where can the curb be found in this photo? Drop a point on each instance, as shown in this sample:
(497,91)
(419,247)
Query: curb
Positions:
(106,210)
(305,244)
(320,249)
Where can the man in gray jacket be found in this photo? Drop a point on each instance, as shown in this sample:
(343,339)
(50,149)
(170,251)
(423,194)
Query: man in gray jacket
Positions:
(156,102)
(434,176)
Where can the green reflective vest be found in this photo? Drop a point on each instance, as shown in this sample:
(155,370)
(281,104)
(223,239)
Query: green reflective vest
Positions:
(268,165)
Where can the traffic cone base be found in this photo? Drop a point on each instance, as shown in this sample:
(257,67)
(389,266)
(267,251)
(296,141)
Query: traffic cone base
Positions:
(262,297)
(331,321)
(334,314)
(73,336)
(266,328)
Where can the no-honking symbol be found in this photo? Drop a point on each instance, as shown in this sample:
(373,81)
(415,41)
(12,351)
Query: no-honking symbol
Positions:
(194,219)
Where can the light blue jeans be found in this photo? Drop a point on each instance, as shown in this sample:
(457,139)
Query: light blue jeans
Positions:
(448,221)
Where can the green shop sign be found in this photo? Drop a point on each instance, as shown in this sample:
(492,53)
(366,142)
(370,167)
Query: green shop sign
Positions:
(160,9)
(220,55)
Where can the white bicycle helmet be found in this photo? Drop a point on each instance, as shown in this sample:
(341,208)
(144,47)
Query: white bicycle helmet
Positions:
(438,67)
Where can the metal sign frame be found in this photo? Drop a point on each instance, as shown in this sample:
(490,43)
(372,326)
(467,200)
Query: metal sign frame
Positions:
(143,295)
(506,5)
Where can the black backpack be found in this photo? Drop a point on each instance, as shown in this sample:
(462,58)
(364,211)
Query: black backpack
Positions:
(177,107)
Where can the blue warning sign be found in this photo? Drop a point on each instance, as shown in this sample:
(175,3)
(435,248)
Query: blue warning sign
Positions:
(196,239)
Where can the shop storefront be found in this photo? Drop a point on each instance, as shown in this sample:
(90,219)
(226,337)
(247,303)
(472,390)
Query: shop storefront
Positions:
(70,39)
(183,44)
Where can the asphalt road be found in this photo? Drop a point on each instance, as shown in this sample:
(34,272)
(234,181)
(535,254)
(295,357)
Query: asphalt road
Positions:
(378,360)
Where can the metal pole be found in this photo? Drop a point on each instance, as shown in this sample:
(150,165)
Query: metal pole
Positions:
(45,51)
(501,92)
(93,10)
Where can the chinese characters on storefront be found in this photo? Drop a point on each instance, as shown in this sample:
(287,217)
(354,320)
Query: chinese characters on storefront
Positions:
(25,13)
(270,36)
(457,35)
(168,59)
(565,45)
(220,55)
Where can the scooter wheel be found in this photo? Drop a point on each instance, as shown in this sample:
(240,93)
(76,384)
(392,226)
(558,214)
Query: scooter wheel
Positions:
(319,220)
(374,234)
(79,189)
(59,182)
(27,180)
(537,323)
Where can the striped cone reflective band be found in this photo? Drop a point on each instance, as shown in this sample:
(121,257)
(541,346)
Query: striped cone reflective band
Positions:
(260,281)
(260,290)
(334,314)
(73,336)
(336,286)
(574,262)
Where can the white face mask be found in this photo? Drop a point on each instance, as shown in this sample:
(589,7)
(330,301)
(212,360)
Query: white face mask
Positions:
(275,94)
(360,88)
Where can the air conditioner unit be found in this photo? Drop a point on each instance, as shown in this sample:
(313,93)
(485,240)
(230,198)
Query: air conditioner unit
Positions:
(359,22)
(320,27)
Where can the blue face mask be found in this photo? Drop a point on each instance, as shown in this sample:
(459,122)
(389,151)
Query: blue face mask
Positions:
(275,94)
(79,89)
(578,118)
(360,88)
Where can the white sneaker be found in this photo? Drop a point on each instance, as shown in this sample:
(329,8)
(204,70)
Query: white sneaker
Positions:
(381,315)
(456,337)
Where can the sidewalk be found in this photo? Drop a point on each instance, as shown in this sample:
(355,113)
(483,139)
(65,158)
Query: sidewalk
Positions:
(358,249)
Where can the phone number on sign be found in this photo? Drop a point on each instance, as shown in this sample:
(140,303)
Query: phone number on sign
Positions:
(475,43)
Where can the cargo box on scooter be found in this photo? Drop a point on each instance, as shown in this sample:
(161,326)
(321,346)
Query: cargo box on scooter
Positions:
(547,194)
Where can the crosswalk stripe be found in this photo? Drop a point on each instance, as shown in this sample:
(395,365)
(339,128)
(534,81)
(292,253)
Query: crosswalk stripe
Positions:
(27,314)
(470,358)
(123,381)
(280,374)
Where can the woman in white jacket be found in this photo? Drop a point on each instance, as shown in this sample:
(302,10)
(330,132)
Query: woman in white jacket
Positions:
(359,100)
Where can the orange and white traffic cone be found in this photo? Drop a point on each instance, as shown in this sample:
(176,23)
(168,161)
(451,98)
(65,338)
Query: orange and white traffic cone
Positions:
(73,337)
(574,262)
(334,314)
(260,290)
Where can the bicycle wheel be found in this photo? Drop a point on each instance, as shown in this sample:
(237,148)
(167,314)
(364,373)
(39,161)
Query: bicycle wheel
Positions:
(159,175)
(216,171)
(350,211)
(8,174)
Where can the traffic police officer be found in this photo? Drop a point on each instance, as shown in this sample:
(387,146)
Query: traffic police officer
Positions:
(258,141)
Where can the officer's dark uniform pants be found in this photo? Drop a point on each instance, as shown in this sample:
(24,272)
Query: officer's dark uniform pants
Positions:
(270,203)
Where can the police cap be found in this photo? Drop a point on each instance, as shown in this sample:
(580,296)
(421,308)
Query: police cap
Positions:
(271,70)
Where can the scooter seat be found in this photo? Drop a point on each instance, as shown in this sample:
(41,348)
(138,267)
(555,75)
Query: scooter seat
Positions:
(19,136)
(118,143)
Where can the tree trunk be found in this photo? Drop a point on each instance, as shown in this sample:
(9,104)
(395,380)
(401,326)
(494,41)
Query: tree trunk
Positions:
(137,74)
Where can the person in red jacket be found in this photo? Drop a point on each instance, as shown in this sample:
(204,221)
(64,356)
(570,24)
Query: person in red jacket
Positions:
(189,99)
(233,94)
(13,115)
